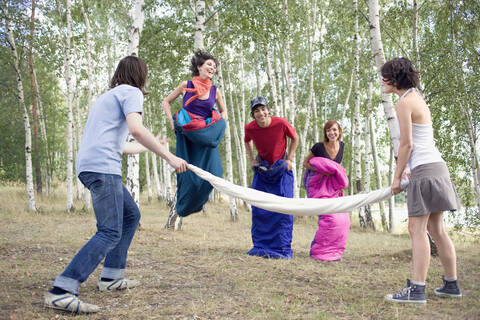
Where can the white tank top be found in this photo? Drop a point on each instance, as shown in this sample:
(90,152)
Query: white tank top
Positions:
(424,149)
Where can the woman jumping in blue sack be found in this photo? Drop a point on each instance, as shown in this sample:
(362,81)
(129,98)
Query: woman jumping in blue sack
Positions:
(199,128)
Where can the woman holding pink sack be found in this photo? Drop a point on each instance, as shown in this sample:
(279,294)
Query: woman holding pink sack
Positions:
(326,178)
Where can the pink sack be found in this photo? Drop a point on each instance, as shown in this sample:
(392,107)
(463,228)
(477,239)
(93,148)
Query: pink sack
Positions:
(332,234)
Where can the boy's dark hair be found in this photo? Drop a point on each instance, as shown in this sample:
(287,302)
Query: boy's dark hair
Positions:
(400,73)
(199,59)
(131,70)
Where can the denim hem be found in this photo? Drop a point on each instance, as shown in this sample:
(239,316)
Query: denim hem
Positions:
(69,284)
(112,273)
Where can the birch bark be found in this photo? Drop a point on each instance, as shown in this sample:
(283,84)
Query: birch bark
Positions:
(88,33)
(467,115)
(378,179)
(291,102)
(228,138)
(156,179)
(68,82)
(278,78)
(33,81)
(272,83)
(377,50)
(368,157)
(167,175)
(133,165)
(356,117)
(346,106)
(199,24)
(311,95)
(391,202)
(233,120)
(241,119)
(26,121)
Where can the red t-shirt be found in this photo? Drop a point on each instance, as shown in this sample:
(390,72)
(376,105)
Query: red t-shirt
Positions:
(271,142)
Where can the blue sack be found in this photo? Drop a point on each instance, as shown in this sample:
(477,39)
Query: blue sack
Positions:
(272,231)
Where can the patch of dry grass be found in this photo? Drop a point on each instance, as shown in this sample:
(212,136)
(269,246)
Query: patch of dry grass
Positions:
(203,272)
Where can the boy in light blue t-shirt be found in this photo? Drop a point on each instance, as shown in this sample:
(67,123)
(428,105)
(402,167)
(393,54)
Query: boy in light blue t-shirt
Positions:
(99,168)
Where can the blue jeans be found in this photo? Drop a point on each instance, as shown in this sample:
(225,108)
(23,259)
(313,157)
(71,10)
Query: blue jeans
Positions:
(117,220)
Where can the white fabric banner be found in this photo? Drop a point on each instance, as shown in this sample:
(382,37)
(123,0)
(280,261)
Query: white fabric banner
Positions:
(294,206)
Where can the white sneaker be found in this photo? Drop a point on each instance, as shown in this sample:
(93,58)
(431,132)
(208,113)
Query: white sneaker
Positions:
(118,284)
(69,302)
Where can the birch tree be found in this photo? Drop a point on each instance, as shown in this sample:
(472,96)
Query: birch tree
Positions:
(228,139)
(271,82)
(36,152)
(291,103)
(377,50)
(26,121)
(466,112)
(199,24)
(68,82)
(88,41)
(133,165)
(368,157)
(311,94)
(356,114)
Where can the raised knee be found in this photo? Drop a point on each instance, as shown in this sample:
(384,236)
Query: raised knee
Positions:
(111,237)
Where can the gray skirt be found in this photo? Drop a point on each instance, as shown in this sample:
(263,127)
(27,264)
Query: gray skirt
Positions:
(431,190)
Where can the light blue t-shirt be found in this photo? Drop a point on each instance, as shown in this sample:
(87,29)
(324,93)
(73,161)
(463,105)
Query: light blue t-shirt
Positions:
(106,130)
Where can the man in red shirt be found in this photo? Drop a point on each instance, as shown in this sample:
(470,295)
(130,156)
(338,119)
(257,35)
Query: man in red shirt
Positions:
(269,134)
(271,231)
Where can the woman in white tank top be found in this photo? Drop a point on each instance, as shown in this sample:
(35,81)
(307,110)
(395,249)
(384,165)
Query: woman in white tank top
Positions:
(430,191)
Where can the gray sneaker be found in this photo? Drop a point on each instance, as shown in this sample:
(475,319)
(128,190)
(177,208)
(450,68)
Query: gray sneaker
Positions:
(69,302)
(118,284)
(449,289)
(412,293)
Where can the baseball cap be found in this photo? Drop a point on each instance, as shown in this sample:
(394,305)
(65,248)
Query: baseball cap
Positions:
(258,101)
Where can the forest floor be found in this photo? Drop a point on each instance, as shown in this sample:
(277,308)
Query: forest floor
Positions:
(202,271)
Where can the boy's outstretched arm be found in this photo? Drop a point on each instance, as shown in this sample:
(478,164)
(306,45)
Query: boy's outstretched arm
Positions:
(149,141)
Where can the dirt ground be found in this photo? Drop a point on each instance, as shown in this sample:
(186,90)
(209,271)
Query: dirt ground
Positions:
(202,271)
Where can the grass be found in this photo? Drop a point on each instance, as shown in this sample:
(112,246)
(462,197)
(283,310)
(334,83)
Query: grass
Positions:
(202,272)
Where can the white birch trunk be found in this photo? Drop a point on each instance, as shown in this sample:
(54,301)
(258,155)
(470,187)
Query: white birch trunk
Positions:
(347,99)
(356,93)
(147,176)
(77,125)
(377,170)
(35,95)
(368,157)
(236,129)
(311,97)
(278,79)
(167,175)
(292,107)
(272,84)
(133,165)
(68,82)
(88,35)
(228,138)
(391,202)
(467,117)
(356,115)
(241,118)
(156,179)
(476,178)
(257,78)
(416,53)
(199,24)
(43,133)
(377,49)
(26,121)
